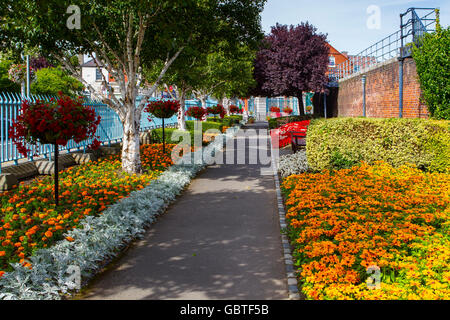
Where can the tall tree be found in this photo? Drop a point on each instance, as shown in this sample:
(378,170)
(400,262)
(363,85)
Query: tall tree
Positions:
(292,60)
(227,75)
(127,35)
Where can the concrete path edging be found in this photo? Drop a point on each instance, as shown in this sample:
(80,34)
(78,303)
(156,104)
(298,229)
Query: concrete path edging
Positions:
(287,249)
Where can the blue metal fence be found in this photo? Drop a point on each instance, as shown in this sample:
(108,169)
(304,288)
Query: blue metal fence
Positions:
(282,102)
(110,129)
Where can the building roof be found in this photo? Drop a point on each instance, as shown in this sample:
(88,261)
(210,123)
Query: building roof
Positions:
(91,64)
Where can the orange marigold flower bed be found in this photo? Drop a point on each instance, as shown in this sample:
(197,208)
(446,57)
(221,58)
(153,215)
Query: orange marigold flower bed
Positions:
(29,219)
(343,222)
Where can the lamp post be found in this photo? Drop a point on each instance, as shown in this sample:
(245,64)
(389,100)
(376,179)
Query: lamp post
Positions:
(364,80)
(28,76)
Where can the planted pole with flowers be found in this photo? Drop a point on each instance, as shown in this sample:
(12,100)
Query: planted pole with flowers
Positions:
(217,110)
(163,110)
(235,110)
(196,113)
(288,110)
(55,122)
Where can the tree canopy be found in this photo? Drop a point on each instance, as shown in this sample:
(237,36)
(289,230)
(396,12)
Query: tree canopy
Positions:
(127,36)
(292,60)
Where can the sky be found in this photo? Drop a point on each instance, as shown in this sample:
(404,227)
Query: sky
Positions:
(346,21)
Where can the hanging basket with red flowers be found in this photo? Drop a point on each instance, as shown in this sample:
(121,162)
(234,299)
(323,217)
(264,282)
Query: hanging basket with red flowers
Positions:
(274,109)
(196,112)
(163,109)
(54,122)
(217,110)
(288,110)
(235,110)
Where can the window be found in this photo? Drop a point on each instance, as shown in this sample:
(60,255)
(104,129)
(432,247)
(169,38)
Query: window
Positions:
(98,75)
(332,62)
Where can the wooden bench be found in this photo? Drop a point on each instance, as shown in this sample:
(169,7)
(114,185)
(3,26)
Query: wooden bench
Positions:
(298,140)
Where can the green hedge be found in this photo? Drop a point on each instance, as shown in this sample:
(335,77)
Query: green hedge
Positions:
(206,125)
(227,121)
(343,142)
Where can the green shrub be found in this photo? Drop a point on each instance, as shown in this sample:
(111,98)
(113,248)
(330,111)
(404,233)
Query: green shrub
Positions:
(50,81)
(206,125)
(227,121)
(157,133)
(344,142)
(6,84)
(432,58)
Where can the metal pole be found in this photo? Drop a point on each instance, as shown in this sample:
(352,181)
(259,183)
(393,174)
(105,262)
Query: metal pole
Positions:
(400,71)
(28,76)
(400,87)
(56,176)
(364,94)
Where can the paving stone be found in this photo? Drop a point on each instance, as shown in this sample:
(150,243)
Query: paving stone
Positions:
(288,262)
(290,268)
(293,288)
(23,170)
(294,296)
(8,181)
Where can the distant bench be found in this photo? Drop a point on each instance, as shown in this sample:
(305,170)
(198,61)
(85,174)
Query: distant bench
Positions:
(298,140)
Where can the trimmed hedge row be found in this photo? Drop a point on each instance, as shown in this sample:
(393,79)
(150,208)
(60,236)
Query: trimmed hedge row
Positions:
(206,125)
(344,142)
(227,121)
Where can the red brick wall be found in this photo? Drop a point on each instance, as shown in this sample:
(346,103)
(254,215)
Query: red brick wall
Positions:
(382,93)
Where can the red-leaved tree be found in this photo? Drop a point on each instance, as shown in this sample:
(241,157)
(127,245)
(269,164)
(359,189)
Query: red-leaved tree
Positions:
(292,60)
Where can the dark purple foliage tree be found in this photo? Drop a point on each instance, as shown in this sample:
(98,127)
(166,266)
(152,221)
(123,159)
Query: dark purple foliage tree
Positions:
(292,60)
(37,63)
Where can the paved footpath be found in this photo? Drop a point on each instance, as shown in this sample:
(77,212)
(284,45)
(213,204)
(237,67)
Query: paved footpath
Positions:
(220,240)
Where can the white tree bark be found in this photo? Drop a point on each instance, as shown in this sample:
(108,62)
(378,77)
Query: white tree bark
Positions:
(131,157)
(226,105)
(182,111)
(204,106)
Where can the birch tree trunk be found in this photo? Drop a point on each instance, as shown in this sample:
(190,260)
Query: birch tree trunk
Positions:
(204,106)
(182,111)
(226,104)
(131,156)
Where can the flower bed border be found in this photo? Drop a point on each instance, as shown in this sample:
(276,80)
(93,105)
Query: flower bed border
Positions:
(292,282)
(103,237)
